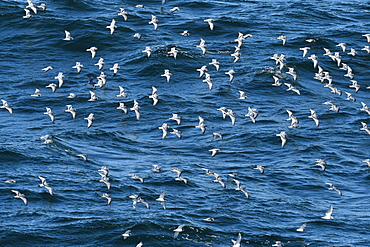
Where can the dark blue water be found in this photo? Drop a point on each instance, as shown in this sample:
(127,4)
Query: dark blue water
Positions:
(292,191)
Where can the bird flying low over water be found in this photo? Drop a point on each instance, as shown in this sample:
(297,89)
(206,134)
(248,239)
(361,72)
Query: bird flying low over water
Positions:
(236,243)
(210,23)
(90,119)
(154,21)
(214,151)
(202,46)
(201,125)
(283,138)
(6,106)
(45,184)
(68,36)
(112,26)
(178,230)
(19,195)
(329,213)
(126,234)
(167,74)
(332,187)
(50,114)
(93,50)
(162,200)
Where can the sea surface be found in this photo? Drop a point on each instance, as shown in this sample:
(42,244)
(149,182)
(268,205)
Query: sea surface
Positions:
(291,191)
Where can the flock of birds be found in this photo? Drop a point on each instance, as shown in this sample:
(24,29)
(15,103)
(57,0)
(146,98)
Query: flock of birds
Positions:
(322,75)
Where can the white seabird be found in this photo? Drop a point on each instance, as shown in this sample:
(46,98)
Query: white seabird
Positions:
(329,213)
(32,6)
(178,230)
(100,63)
(90,119)
(154,21)
(314,117)
(174,9)
(343,46)
(350,97)
(60,77)
(78,66)
(202,46)
(126,234)
(105,180)
(176,132)
(215,63)
(68,36)
(367,161)
(122,107)
(332,187)
(154,95)
(242,95)
(6,106)
(202,70)
(112,26)
(71,110)
(223,110)
(292,73)
(121,92)
(123,13)
(105,170)
(305,50)
(46,69)
(164,129)
(216,134)
(355,85)
(321,163)
(292,88)
(201,125)
(162,200)
(36,93)
(185,33)
(277,82)
(260,168)
(214,151)
(302,227)
(230,113)
(252,113)
(167,74)
(283,138)
(352,52)
(93,96)
(365,108)
(136,177)
(137,35)
(45,184)
(50,114)
(236,243)
(210,23)
(282,38)
(93,50)
(173,52)
(176,117)
(27,14)
(115,68)
(156,168)
(315,60)
(148,51)
(19,195)
(136,108)
(365,127)
(230,73)
(333,107)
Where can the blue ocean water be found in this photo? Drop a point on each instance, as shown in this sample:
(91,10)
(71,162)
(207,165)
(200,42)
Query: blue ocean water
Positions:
(292,190)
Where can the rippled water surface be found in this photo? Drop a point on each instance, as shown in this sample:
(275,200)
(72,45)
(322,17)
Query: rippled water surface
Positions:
(292,191)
